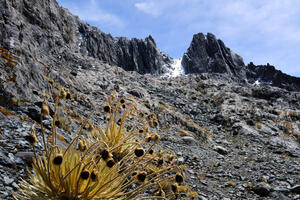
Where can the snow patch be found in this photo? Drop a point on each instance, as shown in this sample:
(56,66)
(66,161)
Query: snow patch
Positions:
(256,83)
(12,43)
(175,70)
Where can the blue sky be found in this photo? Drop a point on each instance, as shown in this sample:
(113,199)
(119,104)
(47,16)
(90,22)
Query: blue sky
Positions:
(262,31)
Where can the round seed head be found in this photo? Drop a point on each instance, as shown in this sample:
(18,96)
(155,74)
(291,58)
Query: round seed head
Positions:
(68,96)
(62,93)
(122,100)
(155,123)
(32,138)
(148,138)
(94,175)
(110,162)
(90,128)
(151,151)
(105,154)
(160,161)
(58,159)
(124,106)
(139,152)
(107,109)
(84,174)
(45,109)
(174,188)
(141,176)
(57,123)
(155,137)
(51,82)
(170,157)
(179,178)
(81,146)
(141,130)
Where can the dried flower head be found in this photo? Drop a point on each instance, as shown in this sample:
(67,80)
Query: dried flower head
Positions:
(62,93)
(139,152)
(32,138)
(174,188)
(151,151)
(68,95)
(58,159)
(57,123)
(105,154)
(110,162)
(71,179)
(107,109)
(45,109)
(100,165)
(148,138)
(179,178)
(155,137)
(81,145)
(85,174)
(122,100)
(141,176)
(94,174)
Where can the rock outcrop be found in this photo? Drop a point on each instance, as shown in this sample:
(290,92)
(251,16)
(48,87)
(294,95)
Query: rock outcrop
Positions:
(267,74)
(42,29)
(206,54)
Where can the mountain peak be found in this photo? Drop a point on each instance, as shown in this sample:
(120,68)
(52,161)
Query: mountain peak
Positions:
(207,54)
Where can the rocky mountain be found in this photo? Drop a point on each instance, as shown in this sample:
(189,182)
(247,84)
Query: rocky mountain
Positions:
(268,75)
(207,54)
(235,138)
(44,30)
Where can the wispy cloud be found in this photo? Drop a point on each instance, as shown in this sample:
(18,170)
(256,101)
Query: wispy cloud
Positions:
(272,27)
(259,30)
(157,8)
(91,11)
(277,18)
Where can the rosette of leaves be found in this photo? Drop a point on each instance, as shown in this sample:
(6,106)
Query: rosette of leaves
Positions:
(71,175)
(114,162)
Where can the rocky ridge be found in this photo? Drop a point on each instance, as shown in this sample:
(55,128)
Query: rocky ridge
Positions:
(207,54)
(237,140)
(44,30)
(268,75)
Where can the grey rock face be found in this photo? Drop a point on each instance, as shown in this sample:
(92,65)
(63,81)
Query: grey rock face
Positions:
(267,74)
(207,54)
(222,131)
(44,30)
(141,56)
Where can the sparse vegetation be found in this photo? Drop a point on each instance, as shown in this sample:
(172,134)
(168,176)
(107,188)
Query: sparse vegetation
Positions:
(99,163)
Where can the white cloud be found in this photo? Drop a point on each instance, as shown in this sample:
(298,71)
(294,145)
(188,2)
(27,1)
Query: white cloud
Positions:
(274,19)
(157,8)
(149,8)
(260,30)
(91,11)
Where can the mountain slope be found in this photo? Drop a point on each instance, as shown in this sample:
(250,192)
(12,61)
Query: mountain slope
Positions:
(236,140)
(44,30)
